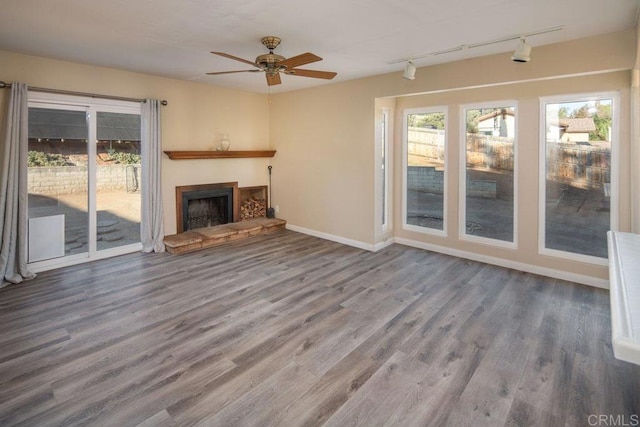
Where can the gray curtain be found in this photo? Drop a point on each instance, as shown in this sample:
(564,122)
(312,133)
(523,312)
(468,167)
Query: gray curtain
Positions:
(13,188)
(152,223)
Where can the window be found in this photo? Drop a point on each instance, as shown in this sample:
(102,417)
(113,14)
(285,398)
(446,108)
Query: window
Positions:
(424,193)
(488,181)
(577,191)
(384,166)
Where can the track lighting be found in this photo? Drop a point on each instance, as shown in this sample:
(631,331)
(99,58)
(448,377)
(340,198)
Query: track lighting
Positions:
(409,71)
(520,55)
(522,52)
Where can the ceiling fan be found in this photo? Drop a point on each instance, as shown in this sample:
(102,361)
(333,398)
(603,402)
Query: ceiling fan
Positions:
(273,64)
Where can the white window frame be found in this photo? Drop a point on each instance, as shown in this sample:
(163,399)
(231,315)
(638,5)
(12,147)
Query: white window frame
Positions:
(462,216)
(405,151)
(542,172)
(386,113)
(91,106)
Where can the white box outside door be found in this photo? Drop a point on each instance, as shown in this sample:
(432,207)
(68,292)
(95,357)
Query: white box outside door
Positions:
(46,237)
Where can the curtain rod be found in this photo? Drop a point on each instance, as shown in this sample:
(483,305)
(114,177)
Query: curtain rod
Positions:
(91,95)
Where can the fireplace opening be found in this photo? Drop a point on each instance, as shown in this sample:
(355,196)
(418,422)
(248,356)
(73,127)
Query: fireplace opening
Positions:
(206,205)
(207,210)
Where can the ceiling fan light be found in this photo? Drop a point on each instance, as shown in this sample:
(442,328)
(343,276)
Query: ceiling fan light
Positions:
(409,71)
(522,52)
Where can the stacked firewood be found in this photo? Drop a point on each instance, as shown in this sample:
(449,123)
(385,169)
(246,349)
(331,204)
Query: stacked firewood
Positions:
(253,208)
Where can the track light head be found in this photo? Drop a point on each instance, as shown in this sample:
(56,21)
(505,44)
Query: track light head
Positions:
(409,71)
(522,52)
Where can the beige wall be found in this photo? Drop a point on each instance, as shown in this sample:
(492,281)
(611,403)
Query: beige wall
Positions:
(325,172)
(195,119)
(323,175)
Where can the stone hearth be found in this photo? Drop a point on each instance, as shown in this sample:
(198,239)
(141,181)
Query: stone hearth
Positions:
(207,237)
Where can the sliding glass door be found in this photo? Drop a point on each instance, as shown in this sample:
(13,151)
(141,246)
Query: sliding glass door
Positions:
(118,175)
(58,181)
(84,173)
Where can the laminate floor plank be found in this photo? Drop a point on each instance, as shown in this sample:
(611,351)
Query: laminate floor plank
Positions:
(163,391)
(329,392)
(451,272)
(161,419)
(590,375)
(523,414)
(90,351)
(489,395)
(489,316)
(131,359)
(375,401)
(408,324)
(255,365)
(356,328)
(443,380)
(288,329)
(27,402)
(266,402)
(547,374)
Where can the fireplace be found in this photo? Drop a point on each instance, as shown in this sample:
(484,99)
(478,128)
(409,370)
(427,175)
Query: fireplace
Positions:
(206,205)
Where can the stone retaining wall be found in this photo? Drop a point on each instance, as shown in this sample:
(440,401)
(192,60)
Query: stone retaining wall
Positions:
(55,180)
(431,180)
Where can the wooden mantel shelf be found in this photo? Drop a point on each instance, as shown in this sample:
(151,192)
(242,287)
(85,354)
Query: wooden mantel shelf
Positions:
(189,155)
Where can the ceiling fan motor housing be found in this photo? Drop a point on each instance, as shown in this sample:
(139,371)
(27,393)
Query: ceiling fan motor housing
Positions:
(269,61)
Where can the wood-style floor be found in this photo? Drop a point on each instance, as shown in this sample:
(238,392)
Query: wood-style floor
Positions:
(286,329)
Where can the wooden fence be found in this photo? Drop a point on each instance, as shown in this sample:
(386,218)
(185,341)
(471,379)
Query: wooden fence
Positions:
(579,165)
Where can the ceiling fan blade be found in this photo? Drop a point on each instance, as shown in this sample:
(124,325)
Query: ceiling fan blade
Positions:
(296,61)
(231,72)
(313,73)
(235,58)
(273,79)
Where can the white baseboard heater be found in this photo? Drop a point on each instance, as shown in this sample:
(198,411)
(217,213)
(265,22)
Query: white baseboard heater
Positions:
(46,237)
(624,282)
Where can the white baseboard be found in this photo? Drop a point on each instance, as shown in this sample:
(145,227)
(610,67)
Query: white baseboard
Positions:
(69,260)
(529,268)
(543,271)
(381,245)
(349,242)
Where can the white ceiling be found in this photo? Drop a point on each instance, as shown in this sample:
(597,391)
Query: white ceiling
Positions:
(356,38)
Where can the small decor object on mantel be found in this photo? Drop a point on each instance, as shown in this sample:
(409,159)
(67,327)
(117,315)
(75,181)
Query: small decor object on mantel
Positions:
(225,143)
(271,213)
